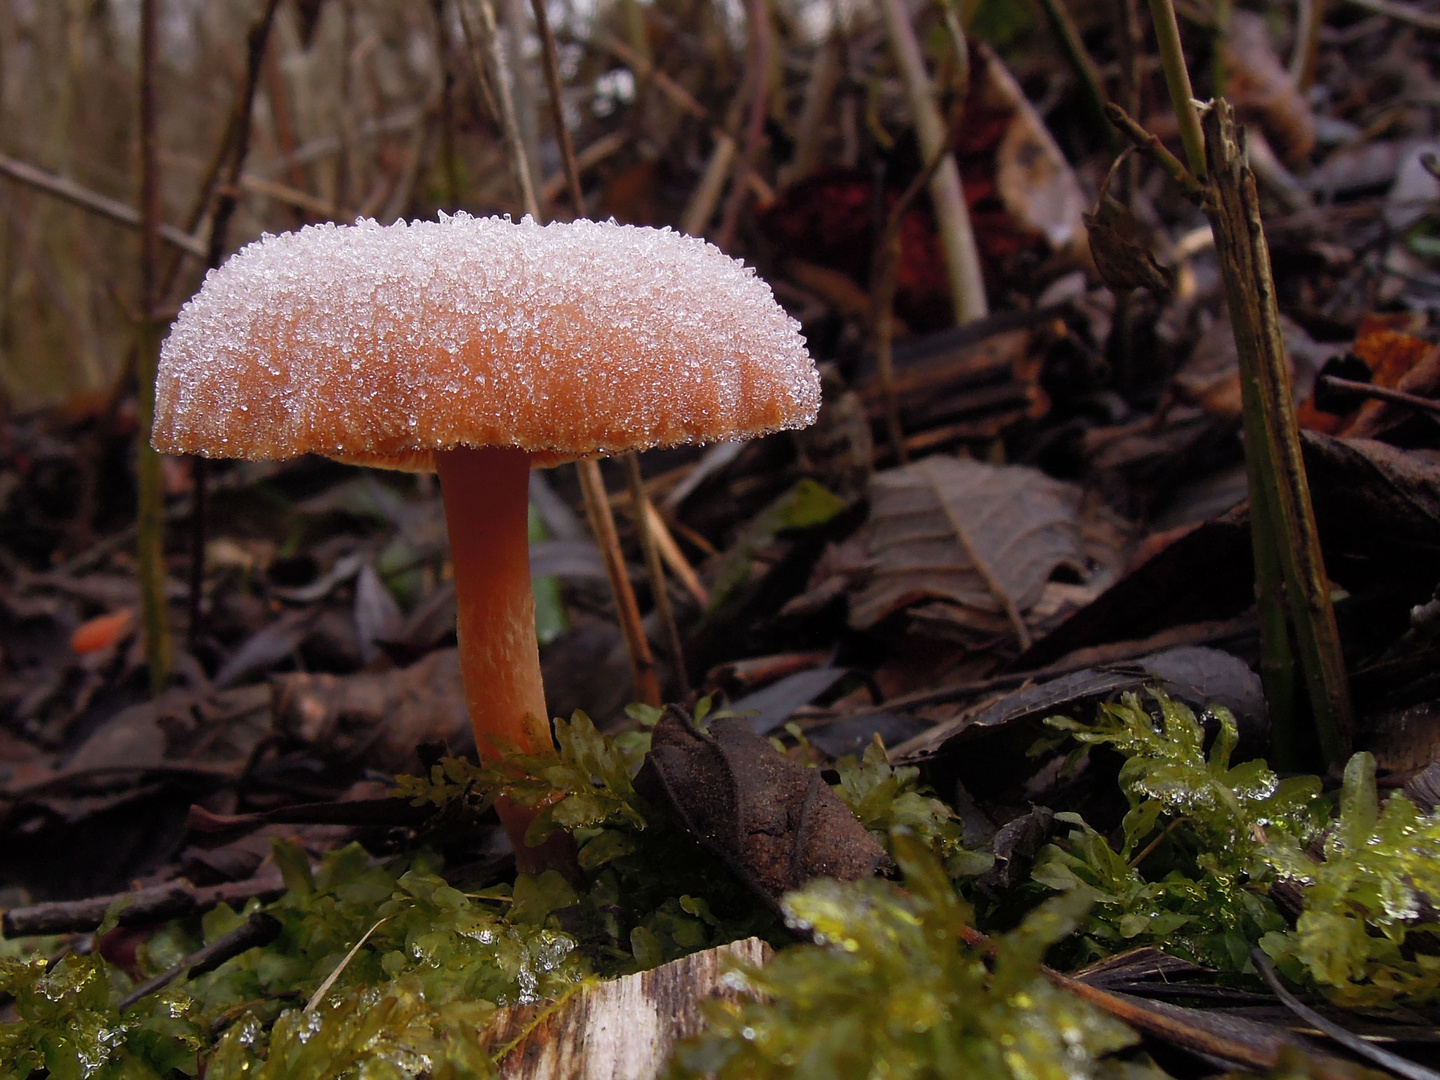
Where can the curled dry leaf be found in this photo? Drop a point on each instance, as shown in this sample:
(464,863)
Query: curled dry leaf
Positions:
(982,537)
(1122,256)
(774,821)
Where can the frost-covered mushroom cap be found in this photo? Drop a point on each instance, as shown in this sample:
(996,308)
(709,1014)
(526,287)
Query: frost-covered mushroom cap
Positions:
(383,344)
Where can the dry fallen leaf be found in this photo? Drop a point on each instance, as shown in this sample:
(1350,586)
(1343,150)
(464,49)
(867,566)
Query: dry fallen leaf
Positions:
(774,821)
(1263,90)
(982,537)
(379,719)
(1036,183)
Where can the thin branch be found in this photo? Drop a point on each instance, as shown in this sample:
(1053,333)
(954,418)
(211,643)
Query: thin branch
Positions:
(256,41)
(646,71)
(78,195)
(1400,13)
(1150,145)
(644,516)
(887,272)
(759,21)
(257,931)
(484,42)
(1382,393)
(557,107)
(1306,59)
(150,510)
(1091,87)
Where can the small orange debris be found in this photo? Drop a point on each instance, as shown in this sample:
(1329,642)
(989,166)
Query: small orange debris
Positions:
(102,631)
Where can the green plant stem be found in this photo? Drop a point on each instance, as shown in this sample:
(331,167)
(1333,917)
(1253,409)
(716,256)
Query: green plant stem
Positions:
(1273,438)
(1219,70)
(1177,79)
(1277,660)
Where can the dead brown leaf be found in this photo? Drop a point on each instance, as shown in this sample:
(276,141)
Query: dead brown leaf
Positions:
(379,719)
(1263,90)
(982,537)
(774,821)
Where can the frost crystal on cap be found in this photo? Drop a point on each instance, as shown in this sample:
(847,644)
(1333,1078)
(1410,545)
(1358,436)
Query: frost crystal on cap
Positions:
(382,344)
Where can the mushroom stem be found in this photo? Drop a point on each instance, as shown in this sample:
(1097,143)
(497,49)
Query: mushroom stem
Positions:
(486,494)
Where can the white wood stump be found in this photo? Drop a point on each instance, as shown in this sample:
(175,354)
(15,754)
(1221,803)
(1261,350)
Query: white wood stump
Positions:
(620,1030)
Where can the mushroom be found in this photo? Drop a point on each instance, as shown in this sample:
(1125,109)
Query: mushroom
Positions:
(480,347)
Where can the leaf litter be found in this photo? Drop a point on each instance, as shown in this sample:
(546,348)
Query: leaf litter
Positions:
(1018,668)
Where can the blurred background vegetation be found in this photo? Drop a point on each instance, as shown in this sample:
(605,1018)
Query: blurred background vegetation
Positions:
(371,108)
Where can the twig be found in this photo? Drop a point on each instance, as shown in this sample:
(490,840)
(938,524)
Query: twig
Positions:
(557,109)
(758,20)
(1272,432)
(602,524)
(825,72)
(78,195)
(256,41)
(646,71)
(1382,393)
(1310,19)
(1170,1028)
(887,271)
(1410,1070)
(150,511)
(1091,88)
(962,258)
(592,483)
(258,930)
(157,904)
(522,85)
(674,557)
(706,196)
(644,515)
(1150,145)
(1400,13)
(488,44)
(585,160)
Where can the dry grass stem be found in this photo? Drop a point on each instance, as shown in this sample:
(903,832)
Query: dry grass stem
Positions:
(962,258)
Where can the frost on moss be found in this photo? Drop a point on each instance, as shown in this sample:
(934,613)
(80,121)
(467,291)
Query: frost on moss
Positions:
(1190,872)
(411,1003)
(652,894)
(890,989)
(1204,842)
(68,1026)
(1368,934)
(885,798)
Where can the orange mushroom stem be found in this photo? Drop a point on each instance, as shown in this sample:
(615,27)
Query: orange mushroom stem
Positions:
(486,492)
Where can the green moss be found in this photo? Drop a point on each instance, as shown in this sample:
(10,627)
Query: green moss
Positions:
(1368,934)
(890,989)
(885,798)
(1189,873)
